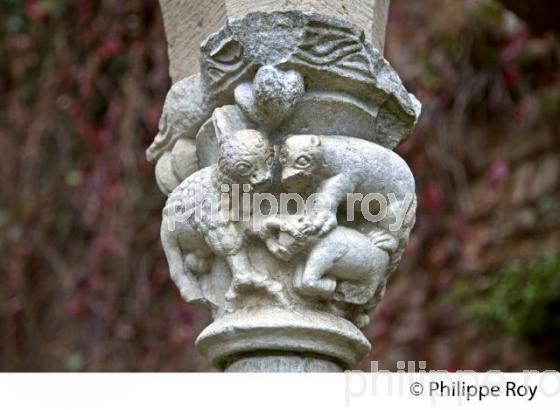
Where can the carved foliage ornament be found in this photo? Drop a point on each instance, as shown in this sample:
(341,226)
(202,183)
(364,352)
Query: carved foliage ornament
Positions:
(285,103)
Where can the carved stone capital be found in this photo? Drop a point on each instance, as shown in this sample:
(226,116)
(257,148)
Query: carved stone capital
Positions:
(291,103)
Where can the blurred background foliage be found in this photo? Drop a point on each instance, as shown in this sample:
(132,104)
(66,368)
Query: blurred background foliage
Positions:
(84,283)
(521,299)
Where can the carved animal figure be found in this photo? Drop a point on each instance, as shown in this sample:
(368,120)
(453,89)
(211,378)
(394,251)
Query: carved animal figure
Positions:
(196,225)
(344,264)
(333,167)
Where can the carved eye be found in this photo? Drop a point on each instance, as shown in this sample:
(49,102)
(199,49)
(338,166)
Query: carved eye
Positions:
(303,161)
(243,168)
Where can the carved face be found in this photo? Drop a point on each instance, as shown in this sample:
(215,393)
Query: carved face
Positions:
(246,157)
(301,160)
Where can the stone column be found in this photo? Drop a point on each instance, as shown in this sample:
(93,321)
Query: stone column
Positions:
(188,22)
(288,97)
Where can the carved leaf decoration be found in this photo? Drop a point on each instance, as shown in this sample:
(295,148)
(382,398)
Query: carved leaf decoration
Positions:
(224,64)
(226,58)
(334,47)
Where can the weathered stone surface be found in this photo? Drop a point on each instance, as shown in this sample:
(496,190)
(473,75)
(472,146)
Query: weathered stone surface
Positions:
(184,160)
(285,103)
(282,363)
(188,22)
(350,88)
(278,329)
(165,175)
(185,109)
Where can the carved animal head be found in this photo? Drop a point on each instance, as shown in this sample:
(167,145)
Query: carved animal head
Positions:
(246,157)
(302,162)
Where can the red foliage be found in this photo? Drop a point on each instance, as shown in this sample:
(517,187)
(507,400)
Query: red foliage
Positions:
(85,276)
(84,283)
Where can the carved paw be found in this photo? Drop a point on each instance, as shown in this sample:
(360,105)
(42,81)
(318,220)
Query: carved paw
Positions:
(254,280)
(323,288)
(285,237)
(251,283)
(361,320)
(299,228)
(277,250)
(323,222)
(384,240)
(248,279)
(193,296)
(197,263)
